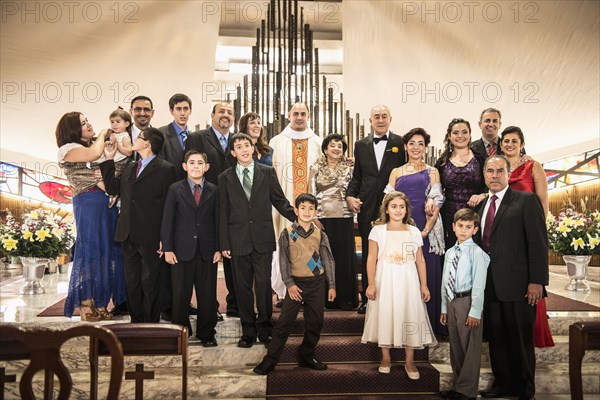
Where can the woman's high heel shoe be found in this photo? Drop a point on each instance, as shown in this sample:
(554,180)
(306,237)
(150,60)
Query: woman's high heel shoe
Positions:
(105,315)
(88,313)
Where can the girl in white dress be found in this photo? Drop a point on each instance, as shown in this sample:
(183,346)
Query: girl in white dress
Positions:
(397,292)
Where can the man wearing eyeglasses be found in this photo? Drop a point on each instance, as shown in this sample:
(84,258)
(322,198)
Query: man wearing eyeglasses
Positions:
(142,112)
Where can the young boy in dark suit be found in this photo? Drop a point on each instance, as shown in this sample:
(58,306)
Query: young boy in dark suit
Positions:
(247,191)
(189,235)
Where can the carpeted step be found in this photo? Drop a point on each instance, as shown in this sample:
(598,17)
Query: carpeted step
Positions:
(335,322)
(411,396)
(344,349)
(340,379)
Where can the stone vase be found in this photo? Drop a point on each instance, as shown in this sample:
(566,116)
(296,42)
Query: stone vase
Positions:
(33,272)
(577,272)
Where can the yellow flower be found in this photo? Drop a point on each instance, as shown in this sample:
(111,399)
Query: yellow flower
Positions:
(9,244)
(563,229)
(42,234)
(57,232)
(27,235)
(550,219)
(594,241)
(568,221)
(394,149)
(579,222)
(577,243)
(34,214)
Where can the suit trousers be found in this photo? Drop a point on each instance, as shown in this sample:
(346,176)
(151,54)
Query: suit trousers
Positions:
(465,347)
(509,327)
(166,283)
(229,283)
(203,276)
(253,271)
(364,228)
(313,303)
(143,274)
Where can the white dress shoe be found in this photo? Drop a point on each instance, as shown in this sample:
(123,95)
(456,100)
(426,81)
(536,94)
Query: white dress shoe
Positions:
(412,375)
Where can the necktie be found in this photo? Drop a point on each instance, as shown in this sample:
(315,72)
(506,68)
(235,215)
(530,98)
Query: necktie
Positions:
(378,139)
(184,136)
(138,167)
(223,142)
(491,149)
(489,221)
(197,194)
(246,184)
(452,275)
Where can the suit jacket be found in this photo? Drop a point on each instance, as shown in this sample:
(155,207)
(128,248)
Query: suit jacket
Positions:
(206,141)
(367,181)
(518,245)
(248,225)
(186,226)
(172,151)
(142,199)
(478,148)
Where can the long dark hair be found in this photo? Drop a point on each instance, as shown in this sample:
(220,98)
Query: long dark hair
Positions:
(448,148)
(68,129)
(261,147)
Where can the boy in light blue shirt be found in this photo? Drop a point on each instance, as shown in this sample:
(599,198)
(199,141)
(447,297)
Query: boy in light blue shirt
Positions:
(463,287)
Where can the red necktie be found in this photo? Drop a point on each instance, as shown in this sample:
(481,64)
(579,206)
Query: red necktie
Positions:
(489,221)
(138,167)
(492,149)
(197,194)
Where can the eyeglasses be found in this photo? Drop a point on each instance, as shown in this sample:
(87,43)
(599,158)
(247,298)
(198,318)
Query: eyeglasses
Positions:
(140,109)
(141,137)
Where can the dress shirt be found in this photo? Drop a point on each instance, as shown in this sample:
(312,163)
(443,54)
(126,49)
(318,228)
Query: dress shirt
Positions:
(178,131)
(471,274)
(500,196)
(239,171)
(380,149)
(145,162)
(486,143)
(193,185)
(135,131)
(219,135)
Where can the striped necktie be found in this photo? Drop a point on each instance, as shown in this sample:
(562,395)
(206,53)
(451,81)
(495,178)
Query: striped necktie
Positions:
(452,275)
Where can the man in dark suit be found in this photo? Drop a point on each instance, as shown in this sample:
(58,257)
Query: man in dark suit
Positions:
(490,122)
(189,235)
(143,188)
(214,142)
(247,191)
(375,157)
(514,235)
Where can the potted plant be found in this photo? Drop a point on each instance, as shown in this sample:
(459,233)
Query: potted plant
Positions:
(36,239)
(575,235)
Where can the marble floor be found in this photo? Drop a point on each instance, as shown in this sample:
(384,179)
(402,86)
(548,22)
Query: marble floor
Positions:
(24,308)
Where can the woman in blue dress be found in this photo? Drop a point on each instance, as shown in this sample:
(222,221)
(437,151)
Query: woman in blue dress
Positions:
(97,275)
(250,124)
(421,184)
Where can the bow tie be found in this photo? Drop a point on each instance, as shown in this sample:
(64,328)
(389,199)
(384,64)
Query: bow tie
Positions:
(378,139)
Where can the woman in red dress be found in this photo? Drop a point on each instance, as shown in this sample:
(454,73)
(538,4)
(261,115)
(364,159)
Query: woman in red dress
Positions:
(528,175)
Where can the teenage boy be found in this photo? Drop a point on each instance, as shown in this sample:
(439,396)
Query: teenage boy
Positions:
(189,235)
(247,191)
(307,268)
(463,287)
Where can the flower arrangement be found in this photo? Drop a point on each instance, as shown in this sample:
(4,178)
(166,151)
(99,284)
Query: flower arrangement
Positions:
(573,232)
(40,233)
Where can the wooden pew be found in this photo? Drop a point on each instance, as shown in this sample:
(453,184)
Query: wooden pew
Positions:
(582,336)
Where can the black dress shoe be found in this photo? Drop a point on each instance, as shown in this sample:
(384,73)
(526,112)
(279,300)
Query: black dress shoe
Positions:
(493,392)
(460,396)
(232,313)
(362,309)
(246,342)
(219,317)
(264,367)
(312,363)
(166,315)
(266,339)
(209,342)
(193,310)
(446,393)
(121,309)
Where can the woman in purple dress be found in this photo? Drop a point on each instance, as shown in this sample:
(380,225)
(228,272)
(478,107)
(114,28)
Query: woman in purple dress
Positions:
(421,184)
(461,174)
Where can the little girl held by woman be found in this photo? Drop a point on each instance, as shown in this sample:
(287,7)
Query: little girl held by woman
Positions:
(396,312)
